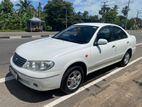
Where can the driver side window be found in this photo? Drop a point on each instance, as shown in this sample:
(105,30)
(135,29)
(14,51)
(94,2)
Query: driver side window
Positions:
(104,33)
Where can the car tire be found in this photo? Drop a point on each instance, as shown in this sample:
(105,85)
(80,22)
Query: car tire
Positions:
(125,59)
(72,79)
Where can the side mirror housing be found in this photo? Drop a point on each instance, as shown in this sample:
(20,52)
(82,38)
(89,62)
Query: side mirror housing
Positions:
(102,42)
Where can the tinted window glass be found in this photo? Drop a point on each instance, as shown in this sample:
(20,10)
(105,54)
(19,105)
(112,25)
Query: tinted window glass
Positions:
(77,33)
(118,34)
(104,33)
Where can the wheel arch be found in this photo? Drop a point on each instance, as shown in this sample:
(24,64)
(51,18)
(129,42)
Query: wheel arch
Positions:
(81,64)
(130,50)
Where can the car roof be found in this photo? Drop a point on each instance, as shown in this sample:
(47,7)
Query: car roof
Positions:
(96,24)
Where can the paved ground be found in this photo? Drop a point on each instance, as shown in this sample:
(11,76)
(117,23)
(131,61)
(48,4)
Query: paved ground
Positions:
(138,36)
(12,93)
(125,91)
(7,48)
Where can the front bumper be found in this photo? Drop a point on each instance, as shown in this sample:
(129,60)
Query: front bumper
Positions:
(40,84)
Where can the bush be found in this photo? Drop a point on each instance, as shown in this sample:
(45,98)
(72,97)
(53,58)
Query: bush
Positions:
(48,28)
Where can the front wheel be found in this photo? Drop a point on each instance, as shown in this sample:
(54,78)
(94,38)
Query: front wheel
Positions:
(72,79)
(125,59)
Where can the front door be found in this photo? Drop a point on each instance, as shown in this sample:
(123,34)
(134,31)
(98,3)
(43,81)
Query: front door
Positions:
(102,55)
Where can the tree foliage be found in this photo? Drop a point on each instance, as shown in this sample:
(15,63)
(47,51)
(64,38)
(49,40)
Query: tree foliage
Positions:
(7,6)
(58,14)
(125,11)
(40,10)
(112,16)
(6,11)
(104,10)
(56,11)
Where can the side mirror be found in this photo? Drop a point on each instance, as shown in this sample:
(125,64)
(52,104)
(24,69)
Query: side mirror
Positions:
(102,42)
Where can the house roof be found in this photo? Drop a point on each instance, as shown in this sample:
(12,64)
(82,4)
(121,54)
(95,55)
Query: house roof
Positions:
(35,19)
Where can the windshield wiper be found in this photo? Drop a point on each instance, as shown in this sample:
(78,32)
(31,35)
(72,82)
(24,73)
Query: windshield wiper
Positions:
(74,41)
(80,41)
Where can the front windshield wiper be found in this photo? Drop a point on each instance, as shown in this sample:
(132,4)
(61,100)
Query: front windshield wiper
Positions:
(80,41)
(69,40)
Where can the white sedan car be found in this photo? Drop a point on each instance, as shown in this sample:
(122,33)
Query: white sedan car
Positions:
(64,60)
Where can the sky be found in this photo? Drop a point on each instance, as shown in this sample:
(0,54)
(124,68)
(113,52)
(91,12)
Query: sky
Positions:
(93,6)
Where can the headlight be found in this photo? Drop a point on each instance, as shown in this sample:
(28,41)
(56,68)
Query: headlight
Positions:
(38,65)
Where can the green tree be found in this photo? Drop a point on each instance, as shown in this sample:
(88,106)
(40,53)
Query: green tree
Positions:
(0,8)
(122,21)
(94,18)
(7,6)
(85,16)
(138,22)
(76,18)
(25,11)
(103,11)
(115,8)
(132,24)
(24,6)
(125,11)
(6,10)
(39,10)
(109,15)
(56,13)
(112,16)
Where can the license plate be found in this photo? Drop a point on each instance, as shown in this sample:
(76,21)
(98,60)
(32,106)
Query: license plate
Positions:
(13,73)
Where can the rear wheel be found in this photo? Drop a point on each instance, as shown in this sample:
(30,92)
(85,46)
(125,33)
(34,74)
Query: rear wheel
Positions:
(72,79)
(125,59)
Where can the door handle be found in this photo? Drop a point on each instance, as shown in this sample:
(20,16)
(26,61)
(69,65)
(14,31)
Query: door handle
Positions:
(113,46)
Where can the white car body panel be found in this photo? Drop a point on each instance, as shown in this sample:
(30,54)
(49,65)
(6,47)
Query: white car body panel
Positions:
(101,55)
(65,53)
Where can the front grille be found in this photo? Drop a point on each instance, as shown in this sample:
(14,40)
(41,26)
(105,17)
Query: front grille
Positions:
(18,60)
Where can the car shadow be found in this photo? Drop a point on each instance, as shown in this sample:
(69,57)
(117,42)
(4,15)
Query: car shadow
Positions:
(32,96)
(29,95)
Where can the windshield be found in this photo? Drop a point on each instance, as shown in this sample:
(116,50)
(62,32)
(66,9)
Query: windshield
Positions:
(77,33)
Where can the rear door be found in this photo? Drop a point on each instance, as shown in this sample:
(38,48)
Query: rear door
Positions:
(120,38)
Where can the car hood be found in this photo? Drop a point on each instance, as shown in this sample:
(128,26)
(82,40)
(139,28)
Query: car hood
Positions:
(46,48)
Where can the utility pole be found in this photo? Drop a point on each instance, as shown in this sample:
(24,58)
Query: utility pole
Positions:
(138,12)
(104,10)
(127,14)
(105,2)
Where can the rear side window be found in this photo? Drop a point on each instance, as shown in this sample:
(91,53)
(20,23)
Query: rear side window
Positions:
(117,34)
